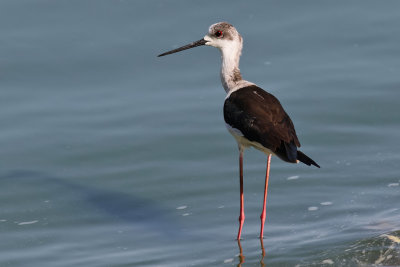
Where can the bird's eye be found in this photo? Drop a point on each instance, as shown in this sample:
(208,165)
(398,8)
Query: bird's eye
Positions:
(218,33)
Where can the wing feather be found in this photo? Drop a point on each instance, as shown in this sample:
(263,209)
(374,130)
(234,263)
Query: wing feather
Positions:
(261,118)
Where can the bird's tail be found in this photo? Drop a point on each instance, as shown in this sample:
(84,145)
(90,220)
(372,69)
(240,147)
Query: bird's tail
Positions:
(305,159)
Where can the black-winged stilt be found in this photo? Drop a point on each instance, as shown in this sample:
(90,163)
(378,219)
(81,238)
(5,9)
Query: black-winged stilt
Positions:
(253,116)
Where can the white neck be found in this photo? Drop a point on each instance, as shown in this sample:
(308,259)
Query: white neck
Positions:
(230,73)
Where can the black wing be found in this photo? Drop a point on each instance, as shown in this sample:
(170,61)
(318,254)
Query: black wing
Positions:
(261,118)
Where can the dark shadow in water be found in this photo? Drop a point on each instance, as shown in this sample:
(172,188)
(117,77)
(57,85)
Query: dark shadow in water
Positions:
(127,207)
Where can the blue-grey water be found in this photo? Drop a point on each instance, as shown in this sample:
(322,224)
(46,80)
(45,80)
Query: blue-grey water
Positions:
(111,156)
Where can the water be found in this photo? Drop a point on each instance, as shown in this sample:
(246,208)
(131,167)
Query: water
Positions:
(113,157)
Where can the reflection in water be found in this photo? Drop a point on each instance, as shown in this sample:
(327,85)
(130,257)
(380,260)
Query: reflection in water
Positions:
(262,252)
(242,257)
(382,250)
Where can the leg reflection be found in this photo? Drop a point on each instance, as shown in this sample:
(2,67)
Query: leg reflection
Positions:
(241,257)
(262,253)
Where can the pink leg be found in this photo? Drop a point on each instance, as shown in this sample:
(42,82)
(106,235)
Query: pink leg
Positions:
(263,213)
(241,216)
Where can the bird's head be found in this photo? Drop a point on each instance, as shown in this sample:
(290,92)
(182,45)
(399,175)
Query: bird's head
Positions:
(221,35)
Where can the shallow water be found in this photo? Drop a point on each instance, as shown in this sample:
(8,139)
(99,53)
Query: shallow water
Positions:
(111,156)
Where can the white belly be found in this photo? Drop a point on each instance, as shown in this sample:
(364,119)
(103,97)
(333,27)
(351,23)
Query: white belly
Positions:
(244,142)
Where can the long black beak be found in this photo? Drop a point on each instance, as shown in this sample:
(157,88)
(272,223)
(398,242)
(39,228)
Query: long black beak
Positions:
(191,45)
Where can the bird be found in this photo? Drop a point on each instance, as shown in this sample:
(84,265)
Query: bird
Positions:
(253,116)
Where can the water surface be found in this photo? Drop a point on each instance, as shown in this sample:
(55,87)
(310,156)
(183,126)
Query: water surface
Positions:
(111,156)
